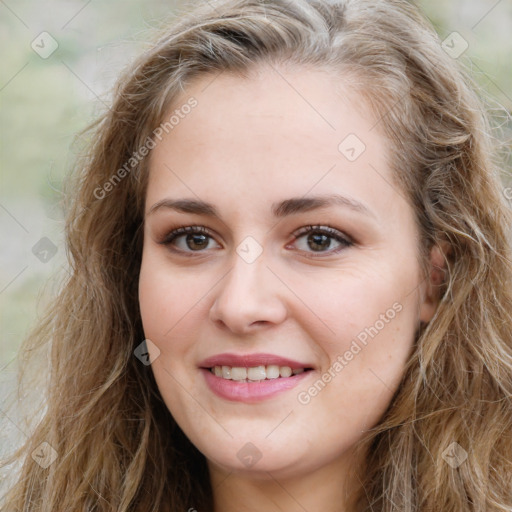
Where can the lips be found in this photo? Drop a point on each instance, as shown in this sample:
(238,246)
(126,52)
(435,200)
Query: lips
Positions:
(251,377)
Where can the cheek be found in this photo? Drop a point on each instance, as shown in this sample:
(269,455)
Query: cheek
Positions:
(365,327)
(340,307)
(352,393)
(165,298)
(166,311)
(169,311)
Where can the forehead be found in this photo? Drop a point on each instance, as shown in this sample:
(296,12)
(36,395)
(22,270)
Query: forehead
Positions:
(274,134)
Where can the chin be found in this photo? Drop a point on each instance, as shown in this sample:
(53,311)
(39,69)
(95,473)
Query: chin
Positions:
(274,466)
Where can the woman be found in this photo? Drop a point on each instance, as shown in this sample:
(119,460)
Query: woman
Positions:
(289,278)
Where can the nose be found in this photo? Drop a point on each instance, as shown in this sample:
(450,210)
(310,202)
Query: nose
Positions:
(248,298)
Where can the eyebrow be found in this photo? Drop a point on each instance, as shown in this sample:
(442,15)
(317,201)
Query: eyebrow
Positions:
(284,208)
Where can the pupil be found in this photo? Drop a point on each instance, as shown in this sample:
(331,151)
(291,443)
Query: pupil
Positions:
(319,241)
(196,241)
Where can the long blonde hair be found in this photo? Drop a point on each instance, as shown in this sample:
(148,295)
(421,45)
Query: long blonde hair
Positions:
(118,446)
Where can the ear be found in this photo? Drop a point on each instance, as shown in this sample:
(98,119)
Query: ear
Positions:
(437,273)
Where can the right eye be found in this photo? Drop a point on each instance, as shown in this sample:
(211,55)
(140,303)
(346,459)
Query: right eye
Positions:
(190,239)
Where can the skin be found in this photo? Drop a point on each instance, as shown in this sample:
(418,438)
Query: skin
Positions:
(250,143)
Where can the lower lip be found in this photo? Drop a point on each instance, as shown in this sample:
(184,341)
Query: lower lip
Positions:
(251,391)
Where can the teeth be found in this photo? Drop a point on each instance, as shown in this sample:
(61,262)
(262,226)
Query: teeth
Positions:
(238,373)
(226,372)
(285,371)
(272,371)
(254,373)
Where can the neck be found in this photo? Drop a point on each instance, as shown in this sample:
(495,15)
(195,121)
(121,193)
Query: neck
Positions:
(330,488)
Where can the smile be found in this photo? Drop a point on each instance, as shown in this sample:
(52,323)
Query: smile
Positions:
(254,373)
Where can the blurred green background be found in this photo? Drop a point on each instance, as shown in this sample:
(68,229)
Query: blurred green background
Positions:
(46,101)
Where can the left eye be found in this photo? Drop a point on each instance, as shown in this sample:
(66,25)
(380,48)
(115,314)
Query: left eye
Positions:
(321,239)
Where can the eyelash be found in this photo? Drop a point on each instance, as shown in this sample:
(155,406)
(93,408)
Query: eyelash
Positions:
(344,240)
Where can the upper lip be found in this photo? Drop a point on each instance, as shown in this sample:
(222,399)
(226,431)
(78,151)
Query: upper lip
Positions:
(251,360)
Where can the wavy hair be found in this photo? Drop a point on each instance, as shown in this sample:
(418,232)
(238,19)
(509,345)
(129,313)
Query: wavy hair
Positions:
(118,446)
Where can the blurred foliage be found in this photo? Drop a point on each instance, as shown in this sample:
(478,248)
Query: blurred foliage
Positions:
(45,102)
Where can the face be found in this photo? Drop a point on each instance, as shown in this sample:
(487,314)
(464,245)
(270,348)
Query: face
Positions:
(280,284)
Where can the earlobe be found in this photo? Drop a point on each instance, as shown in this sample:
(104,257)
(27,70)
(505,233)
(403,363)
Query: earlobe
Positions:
(435,279)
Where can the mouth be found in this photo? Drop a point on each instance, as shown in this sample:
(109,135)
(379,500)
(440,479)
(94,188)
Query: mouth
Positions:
(255,373)
(252,377)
